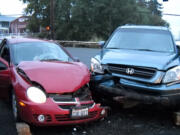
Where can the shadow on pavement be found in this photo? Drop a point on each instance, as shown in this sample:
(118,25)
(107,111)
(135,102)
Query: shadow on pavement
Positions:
(7,124)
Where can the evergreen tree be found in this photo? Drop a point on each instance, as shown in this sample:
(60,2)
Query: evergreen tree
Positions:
(85,19)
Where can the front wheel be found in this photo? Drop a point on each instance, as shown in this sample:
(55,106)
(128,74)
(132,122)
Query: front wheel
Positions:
(15,108)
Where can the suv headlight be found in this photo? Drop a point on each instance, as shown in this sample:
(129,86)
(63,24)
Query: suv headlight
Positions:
(96,66)
(36,95)
(172,75)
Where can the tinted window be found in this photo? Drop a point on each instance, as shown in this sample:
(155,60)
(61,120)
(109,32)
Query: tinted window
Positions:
(140,39)
(2,66)
(5,53)
(38,51)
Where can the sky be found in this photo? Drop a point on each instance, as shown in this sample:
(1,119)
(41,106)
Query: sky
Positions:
(172,7)
(15,7)
(11,7)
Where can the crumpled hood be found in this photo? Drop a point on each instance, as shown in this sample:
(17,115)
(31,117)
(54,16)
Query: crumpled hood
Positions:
(57,77)
(156,60)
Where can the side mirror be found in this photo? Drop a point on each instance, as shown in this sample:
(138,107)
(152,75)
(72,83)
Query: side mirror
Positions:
(101,43)
(76,59)
(3,64)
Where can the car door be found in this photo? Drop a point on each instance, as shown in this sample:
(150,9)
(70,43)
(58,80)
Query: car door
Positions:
(4,71)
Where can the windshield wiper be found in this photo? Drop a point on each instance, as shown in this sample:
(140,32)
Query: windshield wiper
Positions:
(113,48)
(144,49)
(50,60)
(149,50)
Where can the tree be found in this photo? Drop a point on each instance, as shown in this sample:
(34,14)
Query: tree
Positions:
(39,12)
(152,11)
(63,27)
(85,19)
(154,7)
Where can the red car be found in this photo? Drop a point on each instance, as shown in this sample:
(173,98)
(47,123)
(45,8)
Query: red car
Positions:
(46,84)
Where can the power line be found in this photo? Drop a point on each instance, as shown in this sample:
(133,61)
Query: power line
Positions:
(171,14)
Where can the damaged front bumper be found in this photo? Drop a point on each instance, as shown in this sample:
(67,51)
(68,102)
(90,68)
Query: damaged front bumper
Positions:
(110,87)
(63,109)
(58,114)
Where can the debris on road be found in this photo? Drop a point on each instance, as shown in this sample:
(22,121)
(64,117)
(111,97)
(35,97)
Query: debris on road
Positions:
(84,132)
(177,118)
(23,129)
(74,129)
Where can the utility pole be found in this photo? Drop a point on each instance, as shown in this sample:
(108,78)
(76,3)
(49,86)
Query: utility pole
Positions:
(52,18)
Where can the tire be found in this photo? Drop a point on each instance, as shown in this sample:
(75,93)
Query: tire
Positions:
(14,107)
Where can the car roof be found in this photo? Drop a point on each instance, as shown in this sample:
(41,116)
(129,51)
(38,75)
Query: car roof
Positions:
(145,27)
(23,40)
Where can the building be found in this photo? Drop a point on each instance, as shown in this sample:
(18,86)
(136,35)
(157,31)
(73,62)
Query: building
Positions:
(19,25)
(5,23)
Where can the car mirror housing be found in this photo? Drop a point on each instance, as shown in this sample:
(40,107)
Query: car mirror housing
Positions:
(3,64)
(101,43)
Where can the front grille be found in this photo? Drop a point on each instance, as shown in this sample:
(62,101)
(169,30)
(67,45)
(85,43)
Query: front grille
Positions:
(140,72)
(47,117)
(83,94)
(73,106)
(66,117)
(62,98)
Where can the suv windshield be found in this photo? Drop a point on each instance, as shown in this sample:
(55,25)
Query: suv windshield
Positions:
(38,51)
(141,39)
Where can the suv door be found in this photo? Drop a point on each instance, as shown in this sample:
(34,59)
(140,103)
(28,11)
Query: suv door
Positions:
(4,71)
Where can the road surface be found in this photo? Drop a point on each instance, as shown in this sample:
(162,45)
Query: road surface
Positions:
(84,54)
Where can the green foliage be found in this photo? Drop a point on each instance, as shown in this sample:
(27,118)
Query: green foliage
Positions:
(87,19)
(39,12)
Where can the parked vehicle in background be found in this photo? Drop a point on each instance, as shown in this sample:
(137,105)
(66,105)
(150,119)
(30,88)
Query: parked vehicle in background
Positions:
(46,84)
(139,64)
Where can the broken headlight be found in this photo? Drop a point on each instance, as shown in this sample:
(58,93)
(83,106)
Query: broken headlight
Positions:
(172,75)
(96,66)
(83,93)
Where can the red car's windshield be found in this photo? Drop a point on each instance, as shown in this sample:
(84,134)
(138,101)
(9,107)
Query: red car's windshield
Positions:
(38,51)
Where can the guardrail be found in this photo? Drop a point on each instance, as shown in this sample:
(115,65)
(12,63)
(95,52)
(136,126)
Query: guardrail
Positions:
(83,44)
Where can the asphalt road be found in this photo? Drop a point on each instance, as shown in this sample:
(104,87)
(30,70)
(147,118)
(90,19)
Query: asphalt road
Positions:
(7,125)
(141,120)
(84,54)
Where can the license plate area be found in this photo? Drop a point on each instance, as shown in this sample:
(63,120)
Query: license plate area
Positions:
(79,113)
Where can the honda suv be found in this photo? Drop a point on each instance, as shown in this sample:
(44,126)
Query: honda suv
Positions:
(138,63)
